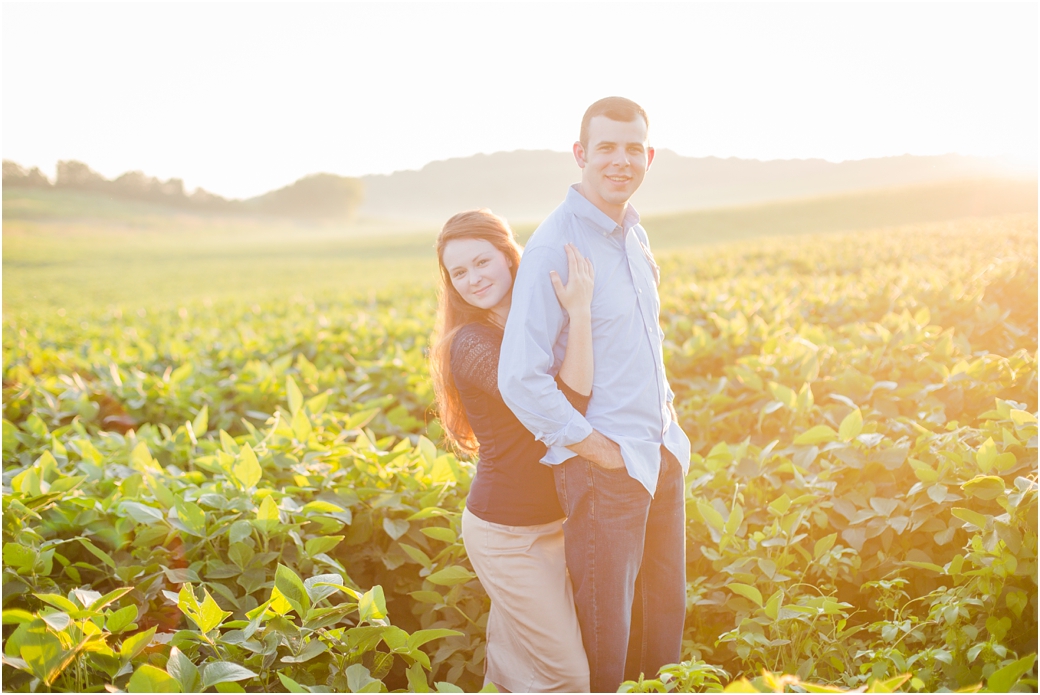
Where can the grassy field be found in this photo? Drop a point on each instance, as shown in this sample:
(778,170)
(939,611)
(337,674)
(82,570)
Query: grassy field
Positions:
(64,250)
(255,493)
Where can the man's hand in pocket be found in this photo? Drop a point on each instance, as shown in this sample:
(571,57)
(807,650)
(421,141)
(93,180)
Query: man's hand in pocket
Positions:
(601,451)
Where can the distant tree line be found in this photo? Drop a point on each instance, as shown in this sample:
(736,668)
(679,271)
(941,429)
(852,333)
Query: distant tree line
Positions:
(314,197)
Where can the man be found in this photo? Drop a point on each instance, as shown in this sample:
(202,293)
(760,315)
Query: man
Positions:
(619,469)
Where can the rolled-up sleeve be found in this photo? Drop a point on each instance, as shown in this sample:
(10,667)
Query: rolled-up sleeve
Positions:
(525,377)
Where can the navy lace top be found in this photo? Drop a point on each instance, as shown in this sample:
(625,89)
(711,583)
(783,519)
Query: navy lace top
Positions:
(511,486)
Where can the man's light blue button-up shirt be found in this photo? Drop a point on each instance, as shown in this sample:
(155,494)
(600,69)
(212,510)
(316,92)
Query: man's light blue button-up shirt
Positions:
(630,392)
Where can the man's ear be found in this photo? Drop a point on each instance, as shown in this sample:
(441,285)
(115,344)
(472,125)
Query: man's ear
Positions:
(579,154)
(649,156)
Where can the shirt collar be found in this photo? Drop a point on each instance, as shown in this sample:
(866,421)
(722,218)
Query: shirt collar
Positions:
(595,217)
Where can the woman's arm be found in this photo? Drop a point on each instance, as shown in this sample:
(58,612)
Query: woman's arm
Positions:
(576,299)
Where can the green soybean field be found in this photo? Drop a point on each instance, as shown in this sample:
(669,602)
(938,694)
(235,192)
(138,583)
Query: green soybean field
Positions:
(249,492)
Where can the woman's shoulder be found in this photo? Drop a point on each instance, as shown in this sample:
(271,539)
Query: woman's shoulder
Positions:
(475,340)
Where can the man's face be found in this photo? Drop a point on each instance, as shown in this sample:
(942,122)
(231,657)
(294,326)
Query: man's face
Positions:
(613,162)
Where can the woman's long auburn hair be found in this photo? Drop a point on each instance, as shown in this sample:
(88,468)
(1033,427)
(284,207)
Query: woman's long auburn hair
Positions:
(454,312)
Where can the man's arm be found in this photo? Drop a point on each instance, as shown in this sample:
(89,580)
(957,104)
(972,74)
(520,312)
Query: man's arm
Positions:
(534,324)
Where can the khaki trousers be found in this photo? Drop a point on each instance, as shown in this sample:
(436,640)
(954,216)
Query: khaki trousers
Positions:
(533,640)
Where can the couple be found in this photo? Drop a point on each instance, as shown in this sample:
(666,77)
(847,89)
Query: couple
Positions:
(551,369)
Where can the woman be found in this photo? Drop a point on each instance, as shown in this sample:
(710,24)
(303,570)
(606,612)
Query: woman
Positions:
(513,524)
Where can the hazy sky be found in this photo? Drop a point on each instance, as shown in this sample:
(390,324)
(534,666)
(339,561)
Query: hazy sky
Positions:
(241,98)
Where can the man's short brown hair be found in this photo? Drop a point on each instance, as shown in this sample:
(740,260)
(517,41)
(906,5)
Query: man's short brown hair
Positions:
(614,108)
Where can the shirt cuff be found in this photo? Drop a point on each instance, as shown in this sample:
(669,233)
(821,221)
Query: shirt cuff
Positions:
(576,430)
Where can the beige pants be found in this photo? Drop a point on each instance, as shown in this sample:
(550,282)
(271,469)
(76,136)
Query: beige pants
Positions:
(533,639)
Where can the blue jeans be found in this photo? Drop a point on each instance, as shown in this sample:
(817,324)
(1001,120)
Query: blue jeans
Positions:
(626,555)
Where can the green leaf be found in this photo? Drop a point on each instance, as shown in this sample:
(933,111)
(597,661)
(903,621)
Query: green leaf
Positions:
(1019,417)
(59,602)
(186,601)
(10,432)
(451,576)
(17,616)
(292,588)
(780,505)
(201,422)
(150,679)
(240,530)
(360,419)
(816,435)
(41,650)
(292,391)
(930,566)
(56,621)
(736,518)
(360,680)
(141,458)
(748,592)
(972,517)
(924,472)
(986,487)
(321,544)
(301,425)
(223,672)
(1005,678)
(889,685)
(395,528)
(98,552)
(823,545)
(812,688)
(267,514)
(135,644)
(161,493)
(317,405)
(1015,599)
(247,469)
(210,615)
(309,651)
(710,515)
(427,596)
(121,618)
(18,555)
(291,685)
(784,394)
(417,682)
(772,606)
(187,674)
(851,426)
(986,455)
(427,449)
(192,516)
(440,533)
(227,443)
(321,586)
(372,605)
(421,637)
(1004,462)
(142,513)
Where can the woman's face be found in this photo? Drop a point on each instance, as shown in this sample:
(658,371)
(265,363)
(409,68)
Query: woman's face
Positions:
(480,273)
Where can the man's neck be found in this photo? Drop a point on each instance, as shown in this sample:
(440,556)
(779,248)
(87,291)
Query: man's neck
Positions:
(614,212)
